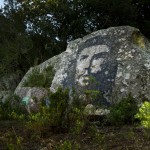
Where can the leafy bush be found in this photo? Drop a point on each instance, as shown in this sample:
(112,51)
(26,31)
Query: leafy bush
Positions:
(77,120)
(76,117)
(144,114)
(59,104)
(95,134)
(11,109)
(123,112)
(68,145)
(60,113)
(40,79)
(54,115)
(92,95)
(38,121)
(13,141)
(36,79)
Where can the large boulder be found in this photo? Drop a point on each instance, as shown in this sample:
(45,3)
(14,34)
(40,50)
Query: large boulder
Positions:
(114,61)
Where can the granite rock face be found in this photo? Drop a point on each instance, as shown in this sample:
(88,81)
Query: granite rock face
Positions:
(114,61)
(37,92)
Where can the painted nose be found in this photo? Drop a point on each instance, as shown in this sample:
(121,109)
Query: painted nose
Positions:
(86,72)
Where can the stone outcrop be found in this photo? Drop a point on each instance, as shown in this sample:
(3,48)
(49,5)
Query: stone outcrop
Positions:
(114,61)
(37,92)
(92,110)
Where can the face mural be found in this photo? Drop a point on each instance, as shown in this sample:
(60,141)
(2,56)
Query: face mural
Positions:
(90,62)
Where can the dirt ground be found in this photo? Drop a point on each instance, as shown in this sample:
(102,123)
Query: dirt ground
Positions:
(15,136)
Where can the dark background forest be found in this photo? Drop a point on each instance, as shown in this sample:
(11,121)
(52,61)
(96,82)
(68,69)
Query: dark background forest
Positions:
(32,31)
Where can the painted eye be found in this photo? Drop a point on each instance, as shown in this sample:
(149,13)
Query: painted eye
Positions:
(84,57)
(93,66)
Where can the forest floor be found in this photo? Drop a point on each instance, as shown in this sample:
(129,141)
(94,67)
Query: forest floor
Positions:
(15,136)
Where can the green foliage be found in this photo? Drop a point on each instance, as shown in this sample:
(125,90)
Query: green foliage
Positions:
(92,95)
(144,114)
(59,104)
(15,116)
(11,109)
(13,141)
(59,114)
(96,135)
(77,120)
(123,112)
(68,145)
(38,121)
(14,53)
(41,117)
(33,32)
(55,115)
(36,79)
(40,79)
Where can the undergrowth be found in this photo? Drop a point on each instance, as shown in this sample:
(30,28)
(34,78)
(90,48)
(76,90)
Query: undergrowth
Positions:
(65,115)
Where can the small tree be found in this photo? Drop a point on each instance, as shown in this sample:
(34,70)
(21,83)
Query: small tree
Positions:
(144,114)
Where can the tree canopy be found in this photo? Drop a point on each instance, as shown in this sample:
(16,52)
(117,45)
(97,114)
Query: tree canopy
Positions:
(32,31)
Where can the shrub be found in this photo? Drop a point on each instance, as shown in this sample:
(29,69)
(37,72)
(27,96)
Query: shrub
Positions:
(11,109)
(38,121)
(68,145)
(77,120)
(60,113)
(55,115)
(92,95)
(36,79)
(123,112)
(144,114)
(40,79)
(59,104)
(13,141)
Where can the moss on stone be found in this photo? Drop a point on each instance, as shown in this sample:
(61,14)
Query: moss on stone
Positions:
(138,39)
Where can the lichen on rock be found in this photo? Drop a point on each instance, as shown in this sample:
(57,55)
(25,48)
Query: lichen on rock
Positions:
(118,58)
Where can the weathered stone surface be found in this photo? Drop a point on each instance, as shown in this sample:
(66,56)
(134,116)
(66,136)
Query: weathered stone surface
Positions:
(37,92)
(92,110)
(115,61)
(32,92)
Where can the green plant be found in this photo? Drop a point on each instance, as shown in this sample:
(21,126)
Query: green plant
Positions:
(13,141)
(37,121)
(40,79)
(144,114)
(91,95)
(16,116)
(96,135)
(55,115)
(76,117)
(11,109)
(59,104)
(123,112)
(77,120)
(68,145)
